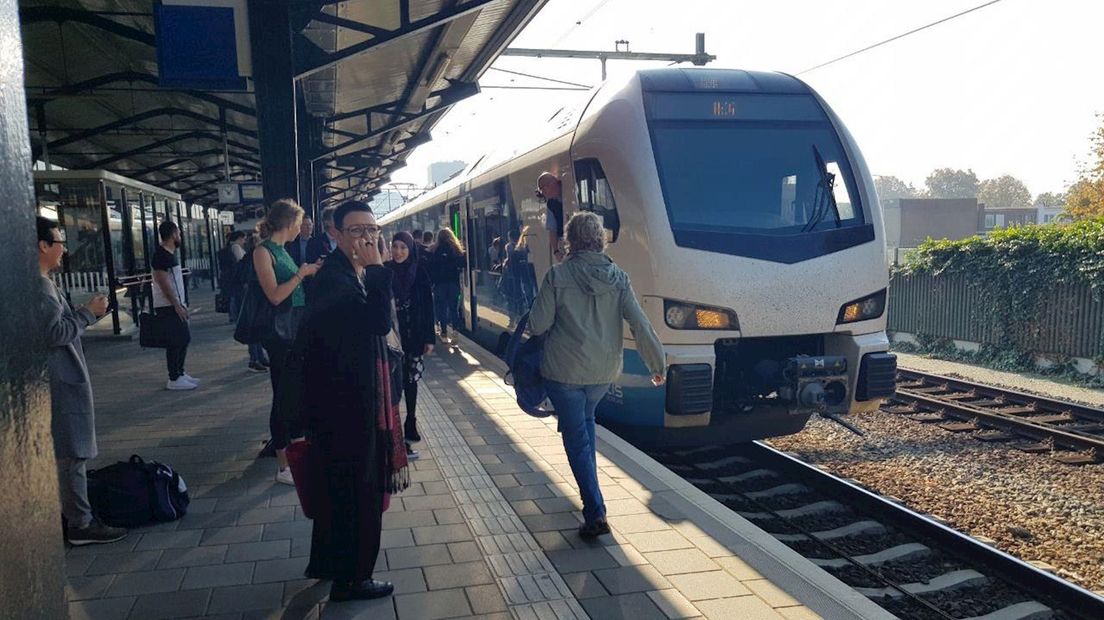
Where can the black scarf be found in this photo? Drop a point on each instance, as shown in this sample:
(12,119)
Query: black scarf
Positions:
(406,272)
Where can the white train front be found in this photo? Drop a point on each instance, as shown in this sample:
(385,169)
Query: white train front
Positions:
(744,214)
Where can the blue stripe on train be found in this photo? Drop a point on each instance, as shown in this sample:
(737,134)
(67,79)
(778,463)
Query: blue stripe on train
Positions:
(632,399)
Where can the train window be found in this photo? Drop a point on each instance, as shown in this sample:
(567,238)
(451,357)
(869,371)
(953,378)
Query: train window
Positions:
(596,195)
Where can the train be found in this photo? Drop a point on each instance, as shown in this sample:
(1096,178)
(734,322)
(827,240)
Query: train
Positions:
(747,220)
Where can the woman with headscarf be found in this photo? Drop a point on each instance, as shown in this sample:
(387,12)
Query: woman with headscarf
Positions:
(338,391)
(413,296)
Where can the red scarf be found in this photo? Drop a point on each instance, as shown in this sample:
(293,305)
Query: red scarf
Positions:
(394,449)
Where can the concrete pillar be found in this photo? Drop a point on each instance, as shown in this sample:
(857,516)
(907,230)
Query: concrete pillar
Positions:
(274,86)
(31,558)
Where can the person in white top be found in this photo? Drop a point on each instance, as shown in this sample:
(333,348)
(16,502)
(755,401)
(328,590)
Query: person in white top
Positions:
(169,303)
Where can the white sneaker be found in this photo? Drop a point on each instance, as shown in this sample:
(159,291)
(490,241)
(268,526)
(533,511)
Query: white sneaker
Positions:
(180,384)
(283,476)
(189,378)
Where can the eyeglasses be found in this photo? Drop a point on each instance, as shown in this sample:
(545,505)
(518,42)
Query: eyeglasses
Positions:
(53,241)
(360,231)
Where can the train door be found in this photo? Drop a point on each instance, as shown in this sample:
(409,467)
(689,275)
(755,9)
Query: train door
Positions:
(472,245)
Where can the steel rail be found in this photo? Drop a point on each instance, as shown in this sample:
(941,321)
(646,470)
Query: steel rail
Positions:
(993,417)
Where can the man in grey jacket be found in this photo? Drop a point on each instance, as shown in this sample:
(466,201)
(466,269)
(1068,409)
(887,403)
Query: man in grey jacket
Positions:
(73,422)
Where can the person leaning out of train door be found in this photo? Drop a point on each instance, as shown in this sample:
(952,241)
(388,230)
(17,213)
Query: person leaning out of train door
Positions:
(550,191)
(580,307)
(413,295)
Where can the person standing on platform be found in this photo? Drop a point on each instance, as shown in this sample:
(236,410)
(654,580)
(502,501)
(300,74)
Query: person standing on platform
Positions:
(168,303)
(258,359)
(297,248)
(413,295)
(342,399)
(446,263)
(72,414)
(326,243)
(281,279)
(229,257)
(581,306)
(550,191)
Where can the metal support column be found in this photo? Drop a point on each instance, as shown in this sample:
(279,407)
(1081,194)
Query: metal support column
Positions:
(33,567)
(274,85)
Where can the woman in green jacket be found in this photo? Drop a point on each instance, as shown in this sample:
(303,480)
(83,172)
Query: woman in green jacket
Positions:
(581,306)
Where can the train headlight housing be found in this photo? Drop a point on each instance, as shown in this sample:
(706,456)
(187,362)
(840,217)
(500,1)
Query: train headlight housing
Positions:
(685,315)
(869,307)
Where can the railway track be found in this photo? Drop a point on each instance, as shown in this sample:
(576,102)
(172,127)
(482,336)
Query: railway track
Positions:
(912,565)
(1073,432)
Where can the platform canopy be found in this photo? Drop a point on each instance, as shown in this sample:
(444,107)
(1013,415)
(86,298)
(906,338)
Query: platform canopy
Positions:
(372,78)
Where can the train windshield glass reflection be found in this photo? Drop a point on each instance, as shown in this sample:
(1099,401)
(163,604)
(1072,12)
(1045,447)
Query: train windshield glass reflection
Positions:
(751,176)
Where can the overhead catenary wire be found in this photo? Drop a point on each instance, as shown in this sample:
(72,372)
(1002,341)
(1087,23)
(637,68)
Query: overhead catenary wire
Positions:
(900,36)
(541,77)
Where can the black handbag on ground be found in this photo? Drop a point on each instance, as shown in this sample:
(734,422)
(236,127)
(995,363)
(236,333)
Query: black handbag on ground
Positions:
(222,303)
(137,492)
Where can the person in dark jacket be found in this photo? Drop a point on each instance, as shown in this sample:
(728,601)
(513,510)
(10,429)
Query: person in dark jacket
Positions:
(337,390)
(414,307)
(446,263)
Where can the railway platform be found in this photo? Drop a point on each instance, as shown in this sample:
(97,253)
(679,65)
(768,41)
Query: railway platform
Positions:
(487,528)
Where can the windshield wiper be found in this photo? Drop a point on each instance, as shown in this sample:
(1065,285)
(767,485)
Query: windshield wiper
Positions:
(824,198)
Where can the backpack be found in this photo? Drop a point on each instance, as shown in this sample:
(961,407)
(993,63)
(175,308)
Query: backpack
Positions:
(136,492)
(523,357)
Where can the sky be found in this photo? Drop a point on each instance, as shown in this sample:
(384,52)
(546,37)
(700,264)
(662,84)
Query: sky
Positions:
(1013,88)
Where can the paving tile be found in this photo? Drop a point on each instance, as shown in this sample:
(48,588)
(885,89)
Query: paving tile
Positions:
(406,581)
(658,541)
(244,598)
(82,588)
(197,556)
(429,502)
(525,507)
(486,599)
(169,540)
(171,605)
(558,504)
(738,568)
(681,561)
(285,529)
(267,550)
(199,577)
(448,516)
(626,555)
(627,579)
(465,552)
(798,613)
(771,593)
(305,592)
(206,520)
(529,492)
(575,560)
(457,575)
(743,607)
(407,557)
(635,606)
(231,535)
(267,571)
(379,609)
(714,584)
(407,519)
(629,524)
(76,565)
(267,515)
(556,521)
(389,539)
(441,534)
(433,605)
(673,604)
(147,582)
(101,609)
(552,541)
(585,585)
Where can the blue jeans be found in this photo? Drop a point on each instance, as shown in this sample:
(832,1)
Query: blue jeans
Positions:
(575,405)
(257,354)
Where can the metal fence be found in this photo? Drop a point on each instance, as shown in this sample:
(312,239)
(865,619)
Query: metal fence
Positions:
(1069,319)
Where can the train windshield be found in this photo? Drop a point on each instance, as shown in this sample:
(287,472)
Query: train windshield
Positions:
(738,170)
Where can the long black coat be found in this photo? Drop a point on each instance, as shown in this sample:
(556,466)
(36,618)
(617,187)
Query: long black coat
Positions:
(416,316)
(332,397)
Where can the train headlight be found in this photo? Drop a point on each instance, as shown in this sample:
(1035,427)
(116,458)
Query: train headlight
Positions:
(683,315)
(869,307)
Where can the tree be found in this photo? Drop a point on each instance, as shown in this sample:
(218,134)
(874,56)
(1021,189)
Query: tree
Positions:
(950,183)
(1004,192)
(1085,198)
(890,187)
(1050,199)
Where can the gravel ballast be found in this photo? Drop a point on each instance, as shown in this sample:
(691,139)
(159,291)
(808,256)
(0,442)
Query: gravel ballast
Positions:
(1033,507)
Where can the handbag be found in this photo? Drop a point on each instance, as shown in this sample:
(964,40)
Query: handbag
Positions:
(310,484)
(222,304)
(258,320)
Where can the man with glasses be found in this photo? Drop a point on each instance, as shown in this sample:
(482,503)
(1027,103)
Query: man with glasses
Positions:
(72,415)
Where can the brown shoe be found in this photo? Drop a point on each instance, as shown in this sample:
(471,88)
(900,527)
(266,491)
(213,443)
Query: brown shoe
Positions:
(95,534)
